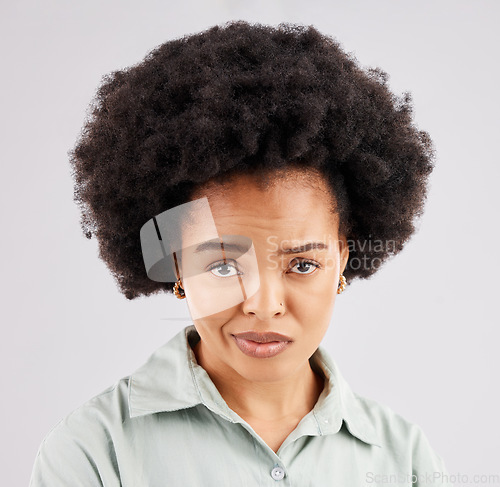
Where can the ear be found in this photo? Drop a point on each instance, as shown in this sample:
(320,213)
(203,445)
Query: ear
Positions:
(176,264)
(344,252)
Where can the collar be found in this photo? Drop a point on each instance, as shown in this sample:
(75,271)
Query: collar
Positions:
(172,379)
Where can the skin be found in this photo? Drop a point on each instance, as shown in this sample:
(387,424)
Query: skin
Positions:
(273,394)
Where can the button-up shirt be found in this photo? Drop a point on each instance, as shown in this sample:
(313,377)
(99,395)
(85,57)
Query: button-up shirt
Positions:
(168,425)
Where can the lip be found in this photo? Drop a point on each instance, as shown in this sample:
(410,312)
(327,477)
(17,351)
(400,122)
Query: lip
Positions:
(261,345)
(266,337)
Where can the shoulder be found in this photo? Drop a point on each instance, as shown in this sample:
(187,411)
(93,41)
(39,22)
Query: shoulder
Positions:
(403,439)
(101,413)
(390,426)
(82,445)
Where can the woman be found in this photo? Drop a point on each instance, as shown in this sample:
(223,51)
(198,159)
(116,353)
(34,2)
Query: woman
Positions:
(254,171)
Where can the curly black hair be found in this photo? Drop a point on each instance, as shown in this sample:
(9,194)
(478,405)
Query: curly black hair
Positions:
(247,98)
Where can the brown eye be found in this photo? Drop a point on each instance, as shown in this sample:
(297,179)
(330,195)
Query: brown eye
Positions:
(305,266)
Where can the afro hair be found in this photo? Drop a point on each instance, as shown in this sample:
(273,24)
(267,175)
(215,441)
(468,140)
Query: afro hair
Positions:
(247,98)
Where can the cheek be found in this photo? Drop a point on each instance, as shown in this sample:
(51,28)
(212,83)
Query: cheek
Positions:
(209,297)
(211,327)
(313,301)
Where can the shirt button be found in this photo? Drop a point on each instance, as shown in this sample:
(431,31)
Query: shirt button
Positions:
(277,473)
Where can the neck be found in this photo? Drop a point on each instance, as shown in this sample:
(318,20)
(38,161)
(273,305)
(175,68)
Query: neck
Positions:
(281,401)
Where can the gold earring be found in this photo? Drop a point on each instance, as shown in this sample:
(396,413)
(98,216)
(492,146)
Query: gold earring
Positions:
(178,291)
(342,284)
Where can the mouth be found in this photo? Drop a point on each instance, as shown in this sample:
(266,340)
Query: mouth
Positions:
(266,337)
(261,345)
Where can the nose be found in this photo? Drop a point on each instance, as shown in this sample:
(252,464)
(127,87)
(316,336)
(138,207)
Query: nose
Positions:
(269,300)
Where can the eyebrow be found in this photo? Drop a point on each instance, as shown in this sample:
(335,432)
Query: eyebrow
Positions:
(304,248)
(211,245)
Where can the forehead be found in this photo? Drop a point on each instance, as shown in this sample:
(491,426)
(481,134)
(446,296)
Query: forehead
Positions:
(292,204)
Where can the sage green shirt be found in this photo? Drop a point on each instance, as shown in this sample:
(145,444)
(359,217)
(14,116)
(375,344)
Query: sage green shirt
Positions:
(167,425)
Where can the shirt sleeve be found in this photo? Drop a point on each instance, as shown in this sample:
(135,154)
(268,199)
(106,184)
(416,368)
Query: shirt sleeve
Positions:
(80,451)
(64,460)
(428,466)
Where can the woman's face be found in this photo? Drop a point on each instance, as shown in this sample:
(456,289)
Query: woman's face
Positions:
(292,294)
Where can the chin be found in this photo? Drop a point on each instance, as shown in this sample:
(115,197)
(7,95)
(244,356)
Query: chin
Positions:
(265,371)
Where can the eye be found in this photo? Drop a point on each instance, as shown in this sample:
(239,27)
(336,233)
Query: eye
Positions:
(308,265)
(224,269)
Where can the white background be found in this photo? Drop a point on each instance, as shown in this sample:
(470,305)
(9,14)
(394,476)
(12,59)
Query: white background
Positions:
(421,336)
